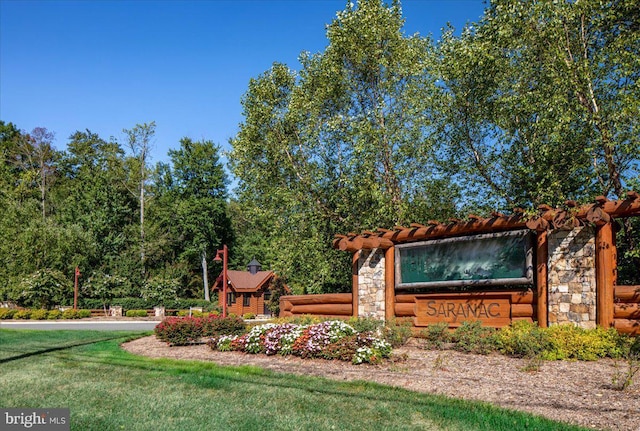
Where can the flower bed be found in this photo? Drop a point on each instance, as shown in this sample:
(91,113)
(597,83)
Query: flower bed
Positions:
(332,339)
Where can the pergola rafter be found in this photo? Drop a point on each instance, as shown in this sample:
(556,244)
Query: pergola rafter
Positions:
(600,212)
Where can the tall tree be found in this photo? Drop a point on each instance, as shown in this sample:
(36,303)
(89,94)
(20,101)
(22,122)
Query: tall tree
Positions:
(194,189)
(539,100)
(139,142)
(343,144)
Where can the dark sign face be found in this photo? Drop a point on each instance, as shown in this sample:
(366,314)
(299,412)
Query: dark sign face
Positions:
(493,259)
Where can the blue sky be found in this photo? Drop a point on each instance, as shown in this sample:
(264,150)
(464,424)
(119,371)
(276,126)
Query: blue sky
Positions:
(108,65)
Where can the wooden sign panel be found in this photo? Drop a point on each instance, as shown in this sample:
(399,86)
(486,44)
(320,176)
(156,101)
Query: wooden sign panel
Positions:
(490,311)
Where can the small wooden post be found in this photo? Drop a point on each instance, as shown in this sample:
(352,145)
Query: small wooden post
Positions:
(605,274)
(389,283)
(542,257)
(354,283)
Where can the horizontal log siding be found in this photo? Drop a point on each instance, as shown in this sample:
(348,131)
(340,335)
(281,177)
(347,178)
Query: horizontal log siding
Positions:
(523,305)
(327,304)
(626,309)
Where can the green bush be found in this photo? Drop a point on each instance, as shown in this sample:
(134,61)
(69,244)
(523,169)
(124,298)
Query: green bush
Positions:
(39,314)
(365,324)
(179,331)
(188,330)
(83,314)
(22,314)
(249,316)
(572,342)
(472,337)
(54,315)
(7,313)
(70,313)
(214,326)
(193,313)
(129,303)
(522,339)
(136,313)
(44,288)
(436,335)
(397,331)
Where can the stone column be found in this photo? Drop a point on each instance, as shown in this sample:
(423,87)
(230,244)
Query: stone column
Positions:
(371,284)
(572,277)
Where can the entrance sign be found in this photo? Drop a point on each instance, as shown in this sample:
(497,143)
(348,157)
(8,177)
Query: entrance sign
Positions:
(490,311)
(503,258)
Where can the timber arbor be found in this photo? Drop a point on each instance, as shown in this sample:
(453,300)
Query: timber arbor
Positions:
(573,272)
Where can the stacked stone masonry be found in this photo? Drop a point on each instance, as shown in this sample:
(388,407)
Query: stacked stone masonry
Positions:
(371,284)
(572,277)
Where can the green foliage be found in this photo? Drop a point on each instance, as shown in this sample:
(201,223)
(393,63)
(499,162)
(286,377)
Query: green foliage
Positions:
(539,99)
(22,314)
(44,289)
(70,314)
(136,313)
(472,337)
(54,315)
(350,130)
(522,339)
(159,290)
(365,324)
(397,331)
(179,331)
(622,379)
(83,314)
(571,342)
(38,314)
(436,335)
(249,316)
(7,313)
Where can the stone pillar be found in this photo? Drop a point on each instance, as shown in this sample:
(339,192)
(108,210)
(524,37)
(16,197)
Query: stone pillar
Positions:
(115,311)
(371,284)
(572,277)
(158,311)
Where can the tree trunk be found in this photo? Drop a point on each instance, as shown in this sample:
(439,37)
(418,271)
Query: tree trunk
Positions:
(205,278)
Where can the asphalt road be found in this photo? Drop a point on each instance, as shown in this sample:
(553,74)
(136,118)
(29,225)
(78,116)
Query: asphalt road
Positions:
(92,325)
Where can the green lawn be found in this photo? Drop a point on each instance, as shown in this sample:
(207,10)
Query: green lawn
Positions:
(107,388)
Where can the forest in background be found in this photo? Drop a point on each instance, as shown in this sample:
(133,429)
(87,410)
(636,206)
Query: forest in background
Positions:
(536,103)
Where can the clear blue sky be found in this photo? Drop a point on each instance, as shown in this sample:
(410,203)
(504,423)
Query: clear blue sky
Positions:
(108,65)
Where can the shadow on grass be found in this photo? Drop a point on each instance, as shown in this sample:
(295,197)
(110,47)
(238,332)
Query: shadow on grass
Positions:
(55,349)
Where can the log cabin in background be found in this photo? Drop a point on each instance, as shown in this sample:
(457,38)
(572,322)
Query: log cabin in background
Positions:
(247,291)
(557,266)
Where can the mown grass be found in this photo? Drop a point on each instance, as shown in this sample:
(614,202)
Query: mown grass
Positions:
(107,388)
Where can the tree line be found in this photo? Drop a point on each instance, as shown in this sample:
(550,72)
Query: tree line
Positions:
(536,103)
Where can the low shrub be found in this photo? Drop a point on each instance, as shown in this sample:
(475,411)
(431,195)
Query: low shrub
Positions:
(83,314)
(188,330)
(54,315)
(22,314)
(39,314)
(70,313)
(522,339)
(136,313)
(248,316)
(397,331)
(214,325)
(179,331)
(365,324)
(190,313)
(436,335)
(572,342)
(472,337)
(7,313)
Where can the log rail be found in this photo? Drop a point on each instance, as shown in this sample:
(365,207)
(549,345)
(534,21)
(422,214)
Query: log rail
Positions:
(626,309)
